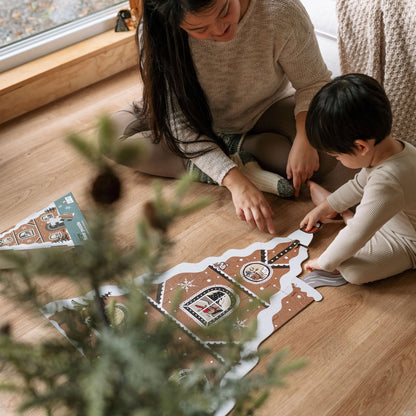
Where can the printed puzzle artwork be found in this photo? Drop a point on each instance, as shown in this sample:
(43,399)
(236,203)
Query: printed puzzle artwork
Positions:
(262,274)
(61,223)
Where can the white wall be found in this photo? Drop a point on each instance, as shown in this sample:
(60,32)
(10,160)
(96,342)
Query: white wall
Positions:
(324,19)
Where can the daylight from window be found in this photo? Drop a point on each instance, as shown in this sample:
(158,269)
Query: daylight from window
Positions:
(21,19)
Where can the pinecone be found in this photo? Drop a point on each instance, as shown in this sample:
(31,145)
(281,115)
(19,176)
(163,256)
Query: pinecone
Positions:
(106,188)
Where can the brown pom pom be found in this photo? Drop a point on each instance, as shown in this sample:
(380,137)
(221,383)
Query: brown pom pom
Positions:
(106,188)
(5,329)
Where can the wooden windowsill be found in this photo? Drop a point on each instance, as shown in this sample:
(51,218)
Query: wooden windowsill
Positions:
(54,76)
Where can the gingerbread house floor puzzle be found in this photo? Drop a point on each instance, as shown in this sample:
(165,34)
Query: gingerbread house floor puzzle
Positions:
(61,223)
(257,283)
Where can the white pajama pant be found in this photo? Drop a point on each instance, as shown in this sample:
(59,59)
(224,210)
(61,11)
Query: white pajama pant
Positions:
(384,255)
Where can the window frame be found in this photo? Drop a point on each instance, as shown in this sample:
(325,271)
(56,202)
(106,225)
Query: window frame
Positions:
(49,41)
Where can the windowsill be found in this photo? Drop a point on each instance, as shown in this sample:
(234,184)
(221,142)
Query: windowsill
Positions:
(44,80)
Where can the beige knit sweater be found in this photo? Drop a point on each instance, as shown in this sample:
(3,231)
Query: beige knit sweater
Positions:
(274,54)
(387,200)
(378,38)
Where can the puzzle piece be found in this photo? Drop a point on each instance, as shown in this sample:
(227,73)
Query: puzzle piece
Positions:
(61,223)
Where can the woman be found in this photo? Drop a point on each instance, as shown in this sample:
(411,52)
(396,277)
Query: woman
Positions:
(225,81)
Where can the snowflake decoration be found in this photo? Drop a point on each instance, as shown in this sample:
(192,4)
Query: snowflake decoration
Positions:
(187,284)
(240,324)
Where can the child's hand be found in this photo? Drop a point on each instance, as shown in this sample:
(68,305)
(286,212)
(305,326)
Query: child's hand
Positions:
(318,214)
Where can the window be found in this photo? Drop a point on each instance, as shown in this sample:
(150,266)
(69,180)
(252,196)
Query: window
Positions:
(211,304)
(32,28)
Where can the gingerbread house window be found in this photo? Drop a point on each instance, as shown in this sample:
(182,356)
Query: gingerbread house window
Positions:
(256,272)
(210,305)
(23,235)
(6,241)
(55,236)
(55,225)
(46,217)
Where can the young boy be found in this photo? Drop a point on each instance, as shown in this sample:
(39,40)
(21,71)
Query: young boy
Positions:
(351,119)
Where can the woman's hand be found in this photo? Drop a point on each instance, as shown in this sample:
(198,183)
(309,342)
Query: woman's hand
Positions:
(319,213)
(250,203)
(303,160)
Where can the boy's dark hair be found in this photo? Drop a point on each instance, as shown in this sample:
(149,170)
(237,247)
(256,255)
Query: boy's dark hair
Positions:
(350,107)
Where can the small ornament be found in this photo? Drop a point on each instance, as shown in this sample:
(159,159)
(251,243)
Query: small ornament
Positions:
(123,21)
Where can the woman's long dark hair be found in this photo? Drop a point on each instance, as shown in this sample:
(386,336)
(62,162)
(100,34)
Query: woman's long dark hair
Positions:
(170,82)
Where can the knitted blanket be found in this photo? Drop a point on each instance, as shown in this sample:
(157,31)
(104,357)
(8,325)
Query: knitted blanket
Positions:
(378,38)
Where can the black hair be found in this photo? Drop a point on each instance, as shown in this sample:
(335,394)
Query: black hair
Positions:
(348,108)
(170,81)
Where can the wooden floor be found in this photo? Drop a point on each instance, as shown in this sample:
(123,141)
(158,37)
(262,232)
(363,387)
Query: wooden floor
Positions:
(359,341)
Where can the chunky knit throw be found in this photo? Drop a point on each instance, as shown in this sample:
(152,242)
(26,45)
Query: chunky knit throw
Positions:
(378,38)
